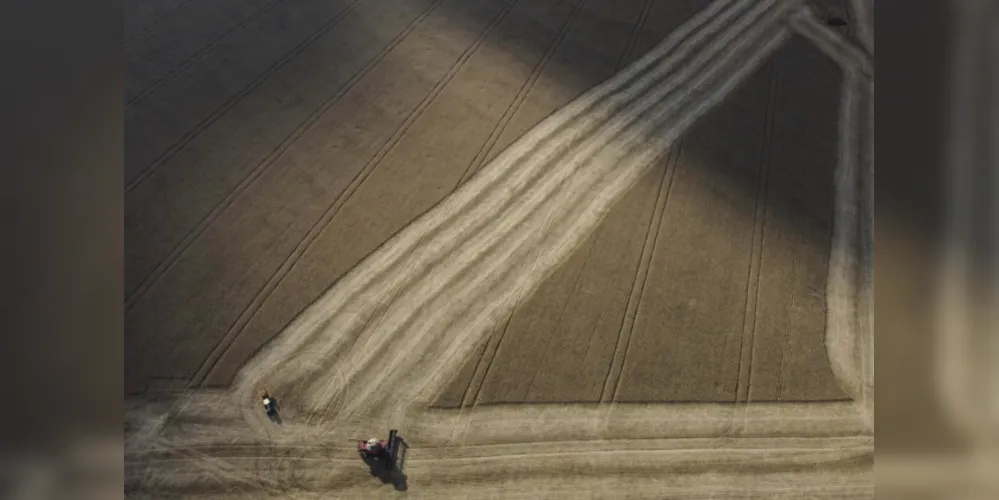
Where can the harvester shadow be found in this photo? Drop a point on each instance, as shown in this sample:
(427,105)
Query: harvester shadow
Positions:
(395,476)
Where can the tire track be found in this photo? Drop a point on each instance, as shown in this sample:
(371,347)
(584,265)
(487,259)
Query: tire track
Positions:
(491,356)
(337,204)
(227,473)
(747,348)
(155,22)
(522,246)
(558,322)
(846,464)
(468,328)
(609,392)
(518,100)
(129,104)
(388,258)
(633,38)
(516,423)
(270,160)
(168,450)
(784,335)
(188,136)
(472,392)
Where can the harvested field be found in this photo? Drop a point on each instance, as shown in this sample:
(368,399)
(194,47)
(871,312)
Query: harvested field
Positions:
(400,214)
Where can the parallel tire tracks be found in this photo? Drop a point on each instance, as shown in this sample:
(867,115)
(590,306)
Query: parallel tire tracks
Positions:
(198,54)
(217,113)
(747,347)
(271,159)
(612,380)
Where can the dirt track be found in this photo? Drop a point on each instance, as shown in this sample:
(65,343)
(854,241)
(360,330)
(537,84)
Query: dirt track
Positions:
(378,347)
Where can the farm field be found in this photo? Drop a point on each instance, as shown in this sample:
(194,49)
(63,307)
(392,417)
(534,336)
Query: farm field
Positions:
(493,222)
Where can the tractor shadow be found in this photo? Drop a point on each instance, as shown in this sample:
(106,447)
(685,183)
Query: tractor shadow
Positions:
(396,476)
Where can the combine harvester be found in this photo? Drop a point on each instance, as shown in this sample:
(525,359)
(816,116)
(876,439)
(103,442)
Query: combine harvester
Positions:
(386,452)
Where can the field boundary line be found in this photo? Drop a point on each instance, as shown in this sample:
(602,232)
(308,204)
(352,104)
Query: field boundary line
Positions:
(217,113)
(320,225)
(349,455)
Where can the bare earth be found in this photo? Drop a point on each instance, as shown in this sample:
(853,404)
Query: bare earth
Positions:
(572,248)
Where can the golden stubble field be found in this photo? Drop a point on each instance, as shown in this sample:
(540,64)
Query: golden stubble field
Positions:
(539,238)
